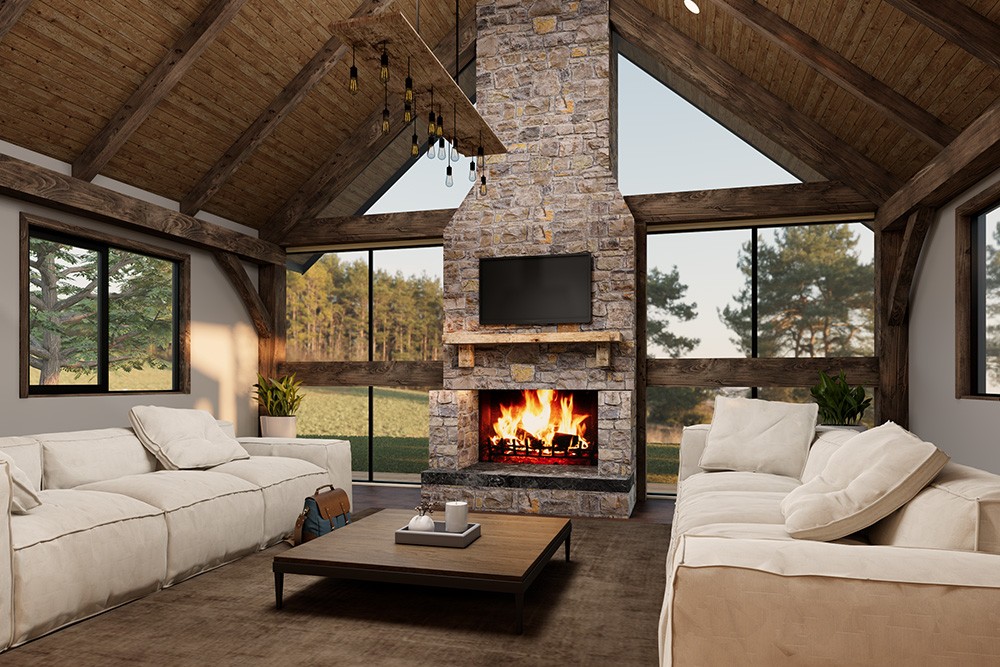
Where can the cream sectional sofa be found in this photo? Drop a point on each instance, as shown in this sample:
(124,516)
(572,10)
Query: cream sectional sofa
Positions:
(113,526)
(921,586)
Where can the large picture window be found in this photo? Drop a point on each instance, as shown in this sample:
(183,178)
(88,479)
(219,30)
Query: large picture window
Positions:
(382,305)
(977,301)
(100,314)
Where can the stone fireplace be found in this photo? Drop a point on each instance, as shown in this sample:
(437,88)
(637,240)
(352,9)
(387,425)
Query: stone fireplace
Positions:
(543,85)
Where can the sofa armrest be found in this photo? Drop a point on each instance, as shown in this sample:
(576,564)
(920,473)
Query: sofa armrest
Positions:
(692,446)
(334,456)
(6,564)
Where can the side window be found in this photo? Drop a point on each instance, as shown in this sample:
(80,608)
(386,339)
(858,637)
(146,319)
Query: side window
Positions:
(100,314)
(983,358)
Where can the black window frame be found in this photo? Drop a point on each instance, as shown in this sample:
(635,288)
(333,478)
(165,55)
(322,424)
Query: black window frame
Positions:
(33,227)
(971,239)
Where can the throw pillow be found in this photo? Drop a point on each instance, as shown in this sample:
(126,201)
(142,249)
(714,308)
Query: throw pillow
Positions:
(184,439)
(869,477)
(23,497)
(752,435)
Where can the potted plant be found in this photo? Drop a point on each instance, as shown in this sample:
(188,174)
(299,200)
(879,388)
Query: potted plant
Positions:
(840,404)
(279,398)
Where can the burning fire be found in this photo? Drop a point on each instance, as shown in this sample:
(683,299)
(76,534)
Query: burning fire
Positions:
(541,426)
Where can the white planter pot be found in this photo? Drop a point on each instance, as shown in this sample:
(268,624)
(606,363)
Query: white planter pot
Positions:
(841,427)
(277,427)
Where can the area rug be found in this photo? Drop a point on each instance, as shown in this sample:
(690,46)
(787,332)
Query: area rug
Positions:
(599,609)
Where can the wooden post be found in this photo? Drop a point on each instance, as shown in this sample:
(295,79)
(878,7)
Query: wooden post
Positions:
(892,395)
(271,287)
(640,361)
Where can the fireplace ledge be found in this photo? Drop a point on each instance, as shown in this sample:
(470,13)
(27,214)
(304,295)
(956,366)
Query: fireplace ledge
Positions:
(529,476)
(467,341)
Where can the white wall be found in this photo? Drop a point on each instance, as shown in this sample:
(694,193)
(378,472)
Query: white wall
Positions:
(969,429)
(223,341)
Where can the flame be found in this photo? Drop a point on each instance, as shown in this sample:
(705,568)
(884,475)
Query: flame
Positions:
(543,418)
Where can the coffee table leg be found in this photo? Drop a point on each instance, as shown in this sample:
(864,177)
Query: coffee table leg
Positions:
(519,603)
(279,585)
(568,538)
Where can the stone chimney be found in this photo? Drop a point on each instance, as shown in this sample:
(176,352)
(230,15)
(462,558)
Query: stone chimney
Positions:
(544,87)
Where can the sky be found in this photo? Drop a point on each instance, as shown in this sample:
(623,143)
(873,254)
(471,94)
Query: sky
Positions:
(665,145)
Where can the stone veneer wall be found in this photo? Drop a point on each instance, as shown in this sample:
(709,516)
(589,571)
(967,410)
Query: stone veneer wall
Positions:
(544,86)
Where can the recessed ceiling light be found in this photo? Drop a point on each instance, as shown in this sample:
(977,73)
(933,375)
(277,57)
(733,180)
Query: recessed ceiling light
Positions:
(692,6)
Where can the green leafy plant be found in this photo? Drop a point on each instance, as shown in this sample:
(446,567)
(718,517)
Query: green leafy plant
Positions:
(280,397)
(839,402)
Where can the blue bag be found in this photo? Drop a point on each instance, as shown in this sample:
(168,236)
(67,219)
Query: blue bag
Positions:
(323,512)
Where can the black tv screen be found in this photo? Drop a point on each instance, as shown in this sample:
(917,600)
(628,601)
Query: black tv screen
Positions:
(545,289)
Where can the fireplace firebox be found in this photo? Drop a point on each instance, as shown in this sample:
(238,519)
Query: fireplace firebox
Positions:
(542,426)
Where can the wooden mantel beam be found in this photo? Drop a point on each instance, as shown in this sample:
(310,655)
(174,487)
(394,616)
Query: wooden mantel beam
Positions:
(10,12)
(807,139)
(362,147)
(959,24)
(155,87)
(839,69)
(325,59)
(965,161)
(733,205)
(29,182)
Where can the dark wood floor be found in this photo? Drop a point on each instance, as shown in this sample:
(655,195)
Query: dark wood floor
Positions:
(651,510)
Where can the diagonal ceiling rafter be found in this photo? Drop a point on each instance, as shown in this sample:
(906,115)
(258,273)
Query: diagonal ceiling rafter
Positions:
(807,139)
(10,12)
(960,25)
(363,146)
(839,69)
(326,58)
(156,86)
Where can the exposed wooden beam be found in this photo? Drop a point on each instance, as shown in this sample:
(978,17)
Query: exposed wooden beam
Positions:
(237,275)
(782,372)
(271,283)
(834,66)
(769,202)
(29,182)
(155,87)
(10,12)
(368,229)
(365,373)
(362,147)
(328,56)
(959,24)
(917,226)
(810,141)
(965,161)
(892,341)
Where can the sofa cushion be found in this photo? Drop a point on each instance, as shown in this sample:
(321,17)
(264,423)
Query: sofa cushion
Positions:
(27,454)
(727,507)
(759,436)
(823,447)
(81,552)
(707,482)
(866,479)
(212,518)
(80,457)
(184,439)
(284,482)
(959,510)
(23,498)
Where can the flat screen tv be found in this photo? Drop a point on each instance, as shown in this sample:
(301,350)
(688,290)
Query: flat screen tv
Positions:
(545,289)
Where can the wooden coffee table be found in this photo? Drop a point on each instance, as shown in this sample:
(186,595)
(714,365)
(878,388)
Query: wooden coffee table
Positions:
(507,557)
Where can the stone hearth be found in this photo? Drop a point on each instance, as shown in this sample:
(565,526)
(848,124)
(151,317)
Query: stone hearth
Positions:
(543,85)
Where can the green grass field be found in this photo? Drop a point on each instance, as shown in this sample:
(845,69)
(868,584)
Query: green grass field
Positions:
(146,379)
(401,427)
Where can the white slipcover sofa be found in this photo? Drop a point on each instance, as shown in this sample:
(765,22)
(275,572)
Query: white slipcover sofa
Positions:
(921,586)
(114,526)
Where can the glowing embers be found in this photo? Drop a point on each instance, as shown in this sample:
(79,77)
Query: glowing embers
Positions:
(538,426)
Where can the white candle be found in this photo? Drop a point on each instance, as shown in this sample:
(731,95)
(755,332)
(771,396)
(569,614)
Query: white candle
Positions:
(456,516)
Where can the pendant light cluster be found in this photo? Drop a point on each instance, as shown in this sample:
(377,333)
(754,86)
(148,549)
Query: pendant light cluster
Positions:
(437,144)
